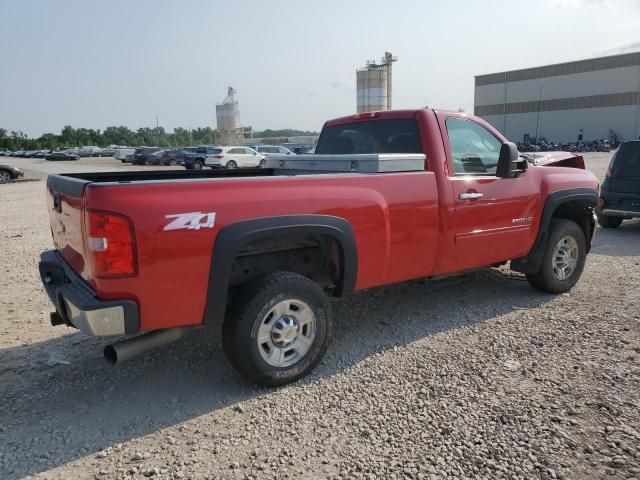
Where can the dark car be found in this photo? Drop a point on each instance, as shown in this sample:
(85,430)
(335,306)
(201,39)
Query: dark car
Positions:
(176,156)
(9,173)
(140,156)
(62,156)
(620,193)
(154,158)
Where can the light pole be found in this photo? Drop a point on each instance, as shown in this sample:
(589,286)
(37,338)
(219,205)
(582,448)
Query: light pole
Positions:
(538,116)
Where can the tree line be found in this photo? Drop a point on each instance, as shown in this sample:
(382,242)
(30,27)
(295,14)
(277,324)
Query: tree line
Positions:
(76,137)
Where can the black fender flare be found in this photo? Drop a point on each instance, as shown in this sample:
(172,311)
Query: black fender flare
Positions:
(232,237)
(531,263)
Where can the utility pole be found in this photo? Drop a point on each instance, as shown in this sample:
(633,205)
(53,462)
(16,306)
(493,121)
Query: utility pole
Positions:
(538,116)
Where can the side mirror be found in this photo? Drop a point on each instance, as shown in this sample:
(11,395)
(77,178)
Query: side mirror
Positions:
(509,163)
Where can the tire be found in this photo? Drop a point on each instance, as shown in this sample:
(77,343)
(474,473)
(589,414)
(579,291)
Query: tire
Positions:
(172,163)
(254,314)
(5,177)
(549,277)
(607,221)
(231,165)
(263,163)
(197,165)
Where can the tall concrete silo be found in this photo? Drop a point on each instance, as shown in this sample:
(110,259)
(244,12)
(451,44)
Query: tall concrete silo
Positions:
(228,121)
(374,85)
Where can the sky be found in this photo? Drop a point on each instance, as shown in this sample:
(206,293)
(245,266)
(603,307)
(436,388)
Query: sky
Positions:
(94,64)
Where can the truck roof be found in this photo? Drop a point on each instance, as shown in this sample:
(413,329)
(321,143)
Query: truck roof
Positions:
(388,114)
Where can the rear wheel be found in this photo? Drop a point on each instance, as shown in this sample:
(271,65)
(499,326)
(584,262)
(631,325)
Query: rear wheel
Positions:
(5,177)
(608,221)
(231,164)
(197,165)
(278,329)
(564,258)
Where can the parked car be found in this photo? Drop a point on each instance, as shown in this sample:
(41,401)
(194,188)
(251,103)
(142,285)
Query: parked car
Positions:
(280,243)
(9,173)
(29,153)
(265,150)
(106,152)
(8,153)
(176,156)
(140,155)
(154,158)
(225,157)
(40,154)
(19,153)
(620,191)
(122,153)
(62,156)
(90,151)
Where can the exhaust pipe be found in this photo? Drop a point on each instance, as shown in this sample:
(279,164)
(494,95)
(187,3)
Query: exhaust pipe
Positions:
(119,352)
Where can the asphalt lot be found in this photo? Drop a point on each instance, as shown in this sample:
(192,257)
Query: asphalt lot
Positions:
(473,377)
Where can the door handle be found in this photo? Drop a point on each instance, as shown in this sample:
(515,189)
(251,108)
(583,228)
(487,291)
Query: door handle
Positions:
(470,195)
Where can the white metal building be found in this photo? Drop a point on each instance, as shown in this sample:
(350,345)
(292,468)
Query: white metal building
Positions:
(562,101)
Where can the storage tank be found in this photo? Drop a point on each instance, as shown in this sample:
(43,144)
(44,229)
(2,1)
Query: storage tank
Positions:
(228,120)
(373,85)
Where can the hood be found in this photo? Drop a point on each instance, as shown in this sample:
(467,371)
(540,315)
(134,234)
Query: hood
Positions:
(555,159)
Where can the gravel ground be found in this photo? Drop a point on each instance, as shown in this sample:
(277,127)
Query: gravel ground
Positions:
(473,377)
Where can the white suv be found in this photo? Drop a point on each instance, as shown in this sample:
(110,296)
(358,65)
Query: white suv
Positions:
(234,157)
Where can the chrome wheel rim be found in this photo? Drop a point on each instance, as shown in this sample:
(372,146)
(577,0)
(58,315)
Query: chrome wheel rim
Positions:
(5,177)
(286,333)
(231,165)
(565,257)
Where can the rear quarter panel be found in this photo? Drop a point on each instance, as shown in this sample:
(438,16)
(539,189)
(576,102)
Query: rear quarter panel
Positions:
(394,216)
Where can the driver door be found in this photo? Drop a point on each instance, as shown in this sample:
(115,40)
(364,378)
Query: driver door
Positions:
(493,217)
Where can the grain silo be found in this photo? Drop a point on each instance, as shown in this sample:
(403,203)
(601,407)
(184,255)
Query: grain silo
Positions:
(228,121)
(373,85)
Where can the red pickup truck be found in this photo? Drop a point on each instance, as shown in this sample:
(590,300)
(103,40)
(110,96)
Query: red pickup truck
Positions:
(260,252)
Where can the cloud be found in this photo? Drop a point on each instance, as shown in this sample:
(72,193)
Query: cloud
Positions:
(339,83)
(576,4)
(628,48)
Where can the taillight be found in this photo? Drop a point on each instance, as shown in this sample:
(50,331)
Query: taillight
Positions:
(218,156)
(364,115)
(111,244)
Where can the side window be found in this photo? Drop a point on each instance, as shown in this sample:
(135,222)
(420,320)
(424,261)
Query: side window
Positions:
(247,151)
(474,149)
(235,151)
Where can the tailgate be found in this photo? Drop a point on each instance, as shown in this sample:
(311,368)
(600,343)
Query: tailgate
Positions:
(65,202)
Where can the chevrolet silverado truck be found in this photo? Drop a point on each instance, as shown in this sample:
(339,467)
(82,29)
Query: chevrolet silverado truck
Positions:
(258,253)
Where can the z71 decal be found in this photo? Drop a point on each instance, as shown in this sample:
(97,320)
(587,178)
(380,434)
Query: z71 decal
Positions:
(190,221)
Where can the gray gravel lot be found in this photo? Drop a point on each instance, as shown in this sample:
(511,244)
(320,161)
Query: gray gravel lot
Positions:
(471,377)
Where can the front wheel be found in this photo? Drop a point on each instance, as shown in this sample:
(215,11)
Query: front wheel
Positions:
(262,164)
(278,329)
(5,177)
(197,165)
(564,258)
(231,164)
(609,222)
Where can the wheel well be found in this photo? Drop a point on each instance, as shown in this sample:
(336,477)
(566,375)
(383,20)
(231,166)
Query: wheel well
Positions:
(315,256)
(579,211)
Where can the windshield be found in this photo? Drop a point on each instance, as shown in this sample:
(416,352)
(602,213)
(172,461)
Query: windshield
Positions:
(627,159)
(374,136)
